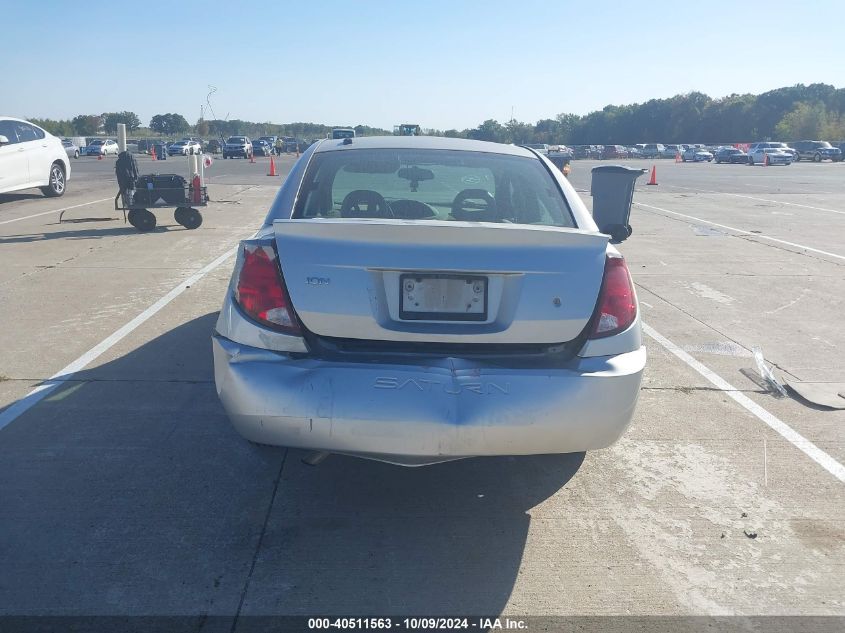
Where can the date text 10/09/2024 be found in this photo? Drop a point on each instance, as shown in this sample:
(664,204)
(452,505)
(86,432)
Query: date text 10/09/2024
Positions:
(418,624)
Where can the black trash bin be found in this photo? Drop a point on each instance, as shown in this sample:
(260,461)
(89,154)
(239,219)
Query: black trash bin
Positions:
(612,188)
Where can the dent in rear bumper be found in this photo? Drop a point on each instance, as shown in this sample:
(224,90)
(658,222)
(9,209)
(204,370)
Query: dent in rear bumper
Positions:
(424,413)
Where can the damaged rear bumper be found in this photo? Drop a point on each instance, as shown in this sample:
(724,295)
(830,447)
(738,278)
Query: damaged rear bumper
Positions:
(430,411)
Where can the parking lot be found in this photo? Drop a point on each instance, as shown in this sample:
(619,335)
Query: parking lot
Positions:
(127,492)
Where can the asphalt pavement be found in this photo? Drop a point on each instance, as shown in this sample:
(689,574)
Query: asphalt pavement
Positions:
(126,492)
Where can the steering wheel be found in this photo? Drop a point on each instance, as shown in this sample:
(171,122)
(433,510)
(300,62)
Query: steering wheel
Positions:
(462,211)
(365,203)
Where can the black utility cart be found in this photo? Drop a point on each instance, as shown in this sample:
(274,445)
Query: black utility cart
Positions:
(139,195)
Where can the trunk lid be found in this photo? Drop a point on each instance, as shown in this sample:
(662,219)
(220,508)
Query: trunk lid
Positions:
(346,279)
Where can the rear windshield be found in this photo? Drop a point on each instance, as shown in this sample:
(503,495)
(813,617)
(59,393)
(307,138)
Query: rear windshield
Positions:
(236,139)
(431,185)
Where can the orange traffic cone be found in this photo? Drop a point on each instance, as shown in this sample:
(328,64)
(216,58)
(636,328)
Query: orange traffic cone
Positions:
(153,153)
(272,167)
(99,157)
(766,160)
(678,157)
(653,180)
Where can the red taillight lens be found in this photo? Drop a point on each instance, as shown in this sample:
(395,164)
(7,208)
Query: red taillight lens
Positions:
(617,304)
(261,290)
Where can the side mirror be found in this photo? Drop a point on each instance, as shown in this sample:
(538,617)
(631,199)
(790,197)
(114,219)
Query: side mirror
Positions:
(612,188)
(4,140)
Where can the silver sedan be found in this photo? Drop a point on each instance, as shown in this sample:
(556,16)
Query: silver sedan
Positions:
(71,149)
(419,299)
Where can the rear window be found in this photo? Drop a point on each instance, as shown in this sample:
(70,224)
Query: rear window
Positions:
(431,185)
(236,139)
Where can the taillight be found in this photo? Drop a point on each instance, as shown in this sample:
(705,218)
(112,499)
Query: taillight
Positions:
(617,304)
(261,290)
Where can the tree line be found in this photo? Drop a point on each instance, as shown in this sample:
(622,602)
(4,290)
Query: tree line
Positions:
(798,112)
(816,111)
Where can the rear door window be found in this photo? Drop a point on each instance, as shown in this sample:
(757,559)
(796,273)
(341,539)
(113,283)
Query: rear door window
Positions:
(27,132)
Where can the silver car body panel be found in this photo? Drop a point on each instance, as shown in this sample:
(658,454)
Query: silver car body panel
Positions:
(543,282)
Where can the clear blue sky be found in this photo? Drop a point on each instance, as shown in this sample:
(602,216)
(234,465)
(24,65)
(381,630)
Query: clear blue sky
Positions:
(439,64)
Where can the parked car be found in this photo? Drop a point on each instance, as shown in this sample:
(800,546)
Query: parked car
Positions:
(377,313)
(581,151)
(261,148)
(696,155)
(670,151)
(184,148)
(197,140)
(776,156)
(841,147)
(31,157)
(614,151)
(101,147)
(214,146)
(774,145)
(543,148)
(71,149)
(730,155)
(289,144)
(239,146)
(270,140)
(817,151)
(653,150)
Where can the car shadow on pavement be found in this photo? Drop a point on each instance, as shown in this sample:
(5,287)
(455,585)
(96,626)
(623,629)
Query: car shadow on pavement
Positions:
(18,197)
(83,234)
(127,492)
(360,537)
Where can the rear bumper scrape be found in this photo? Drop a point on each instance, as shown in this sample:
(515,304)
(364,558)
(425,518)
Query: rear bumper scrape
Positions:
(424,413)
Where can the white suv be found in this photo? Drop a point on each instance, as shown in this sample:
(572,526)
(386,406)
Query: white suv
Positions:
(31,157)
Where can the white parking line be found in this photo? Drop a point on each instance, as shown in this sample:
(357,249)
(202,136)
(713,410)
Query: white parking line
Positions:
(787,432)
(743,231)
(739,195)
(56,380)
(35,215)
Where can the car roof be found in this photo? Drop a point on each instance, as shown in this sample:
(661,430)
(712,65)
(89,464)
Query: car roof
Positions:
(14,118)
(421,142)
